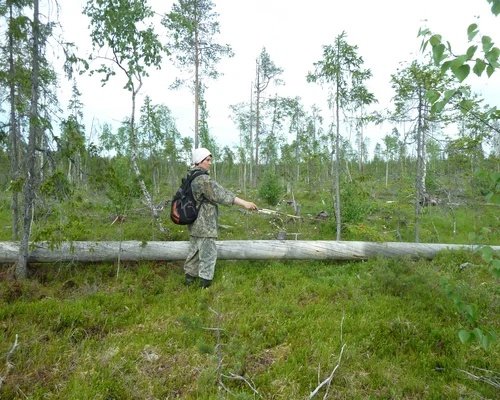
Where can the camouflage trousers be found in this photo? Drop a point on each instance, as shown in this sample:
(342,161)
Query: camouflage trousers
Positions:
(201,258)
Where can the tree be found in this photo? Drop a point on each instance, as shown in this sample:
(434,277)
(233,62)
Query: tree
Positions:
(243,118)
(34,135)
(72,141)
(30,79)
(391,149)
(116,25)
(192,26)
(341,69)
(265,73)
(362,98)
(15,78)
(411,85)
(461,65)
(72,147)
(159,139)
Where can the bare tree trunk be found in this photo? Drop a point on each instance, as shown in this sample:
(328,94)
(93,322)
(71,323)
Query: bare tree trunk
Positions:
(361,142)
(386,173)
(14,147)
(250,169)
(196,91)
(338,217)
(257,124)
(30,183)
(421,167)
(230,250)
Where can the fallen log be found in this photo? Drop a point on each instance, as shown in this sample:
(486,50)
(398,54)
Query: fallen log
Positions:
(227,250)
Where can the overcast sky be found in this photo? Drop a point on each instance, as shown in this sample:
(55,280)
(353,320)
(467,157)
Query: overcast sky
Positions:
(293,33)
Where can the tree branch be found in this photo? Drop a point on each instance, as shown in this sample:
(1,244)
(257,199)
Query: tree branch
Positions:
(8,364)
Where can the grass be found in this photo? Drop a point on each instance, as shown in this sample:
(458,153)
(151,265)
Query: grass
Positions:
(134,331)
(84,332)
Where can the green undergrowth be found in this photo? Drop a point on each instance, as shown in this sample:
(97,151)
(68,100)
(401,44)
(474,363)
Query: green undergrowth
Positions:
(272,328)
(380,217)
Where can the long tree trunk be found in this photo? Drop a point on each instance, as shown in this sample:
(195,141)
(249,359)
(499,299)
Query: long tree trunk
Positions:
(386,173)
(420,167)
(34,127)
(13,133)
(361,142)
(196,91)
(229,250)
(257,124)
(250,167)
(338,217)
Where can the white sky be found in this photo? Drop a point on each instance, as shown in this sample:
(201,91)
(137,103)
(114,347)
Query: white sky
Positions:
(293,33)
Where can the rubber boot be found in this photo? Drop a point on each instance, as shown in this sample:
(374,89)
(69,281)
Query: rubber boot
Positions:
(204,283)
(189,280)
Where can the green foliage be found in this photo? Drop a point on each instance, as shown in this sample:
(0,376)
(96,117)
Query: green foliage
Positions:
(460,66)
(472,331)
(356,202)
(495,6)
(116,25)
(142,334)
(489,185)
(121,187)
(270,189)
(56,186)
(186,18)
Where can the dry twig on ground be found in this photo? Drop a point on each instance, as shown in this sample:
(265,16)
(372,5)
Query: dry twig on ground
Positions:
(8,364)
(490,377)
(220,358)
(327,382)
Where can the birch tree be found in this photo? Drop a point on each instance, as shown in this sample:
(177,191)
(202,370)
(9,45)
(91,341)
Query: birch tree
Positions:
(124,28)
(411,86)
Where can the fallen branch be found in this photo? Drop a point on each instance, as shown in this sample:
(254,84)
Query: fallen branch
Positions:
(8,364)
(273,212)
(328,380)
(493,379)
(220,358)
(251,385)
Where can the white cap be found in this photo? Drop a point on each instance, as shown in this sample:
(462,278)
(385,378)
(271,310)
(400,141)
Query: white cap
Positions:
(200,154)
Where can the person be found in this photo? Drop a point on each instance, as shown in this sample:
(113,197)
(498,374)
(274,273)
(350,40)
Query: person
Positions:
(202,253)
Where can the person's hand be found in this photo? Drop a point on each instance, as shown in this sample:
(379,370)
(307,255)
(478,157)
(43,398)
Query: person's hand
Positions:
(245,204)
(250,206)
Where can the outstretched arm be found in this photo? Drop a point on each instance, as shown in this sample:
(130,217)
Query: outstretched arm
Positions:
(245,204)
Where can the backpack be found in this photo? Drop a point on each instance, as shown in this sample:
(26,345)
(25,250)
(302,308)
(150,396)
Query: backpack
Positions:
(183,210)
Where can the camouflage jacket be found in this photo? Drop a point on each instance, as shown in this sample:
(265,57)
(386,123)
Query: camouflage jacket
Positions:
(208,193)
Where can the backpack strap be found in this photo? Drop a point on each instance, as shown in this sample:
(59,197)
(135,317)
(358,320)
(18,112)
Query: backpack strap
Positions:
(190,178)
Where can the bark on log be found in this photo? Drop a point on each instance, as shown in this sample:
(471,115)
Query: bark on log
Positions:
(227,250)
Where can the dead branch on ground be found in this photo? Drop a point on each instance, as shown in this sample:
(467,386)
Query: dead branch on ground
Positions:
(8,364)
(327,382)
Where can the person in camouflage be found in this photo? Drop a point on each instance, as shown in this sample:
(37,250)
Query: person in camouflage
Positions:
(203,232)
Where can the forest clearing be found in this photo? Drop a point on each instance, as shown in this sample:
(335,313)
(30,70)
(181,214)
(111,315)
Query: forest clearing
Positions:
(351,274)
(398,327)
